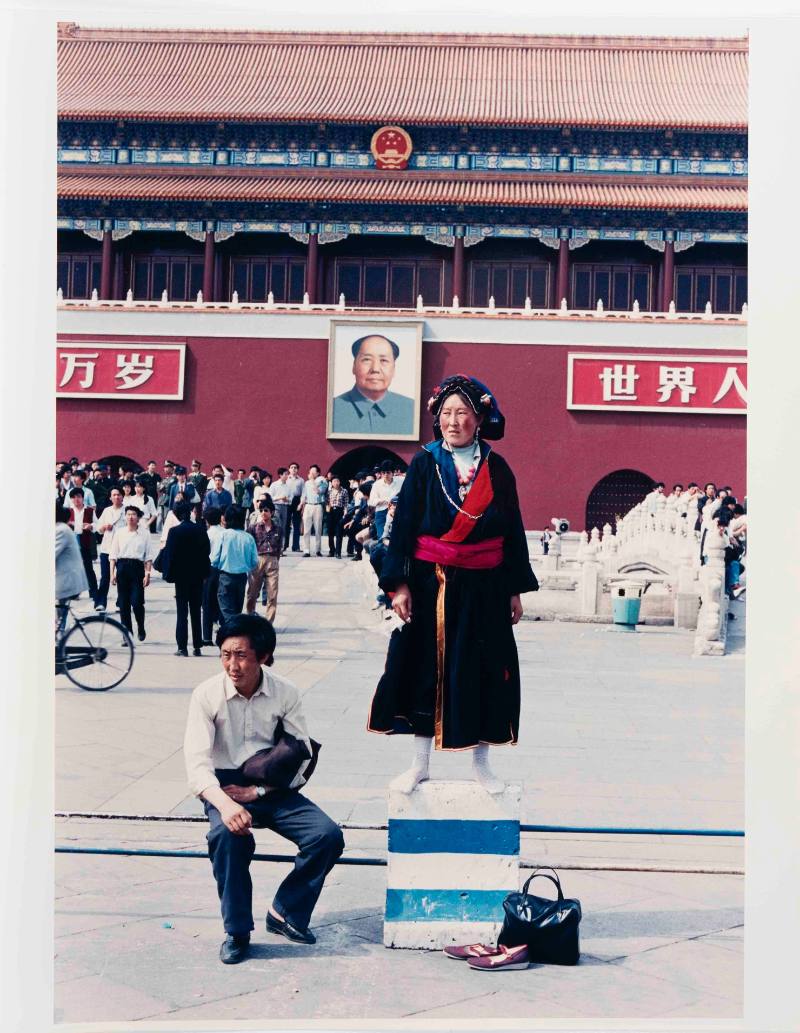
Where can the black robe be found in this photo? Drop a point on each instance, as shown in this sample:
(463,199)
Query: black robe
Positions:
(452,672)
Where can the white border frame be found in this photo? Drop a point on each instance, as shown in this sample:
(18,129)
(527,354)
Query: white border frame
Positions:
(126,345)
(379,326)
(621,407)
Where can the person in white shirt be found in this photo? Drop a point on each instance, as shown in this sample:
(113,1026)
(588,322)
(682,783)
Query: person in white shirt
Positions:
(112,518)
(281,495)
(232,716)
(131,560)
(141,499)
(296,484)
(383,491)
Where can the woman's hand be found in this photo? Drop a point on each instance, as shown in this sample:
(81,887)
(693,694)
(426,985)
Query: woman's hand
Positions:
(401,603)
(516,609)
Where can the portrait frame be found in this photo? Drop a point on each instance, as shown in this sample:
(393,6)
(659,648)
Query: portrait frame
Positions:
(406,384)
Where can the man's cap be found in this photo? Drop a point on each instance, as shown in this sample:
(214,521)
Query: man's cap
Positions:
(180,469)
(103,466)
(169,462)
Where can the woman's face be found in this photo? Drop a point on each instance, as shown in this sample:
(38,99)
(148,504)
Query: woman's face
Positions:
(458,422)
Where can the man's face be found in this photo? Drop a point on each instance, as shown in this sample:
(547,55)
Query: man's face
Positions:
(240,474)
(313,472)
(710,490)
(218,482)
(284,477)
(388,476)
(151,468)
(195,467)
(116,498)
(77,501)
(132,519)
(336,483)
(373,367)
(168,470)
(78,478)
(266,516)
(293,469)
(182,478)
(240,662)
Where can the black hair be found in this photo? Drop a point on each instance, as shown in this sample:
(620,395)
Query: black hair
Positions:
(282,470)
(659,484)
(314,466)
(234,517)
(219,474)
(738,509)
(387,466)
(674,486)
(723,516)
(266,503)
(135,509)
(80,472)
(213,515)
(253,627)
(75,491)
(692,484)
(183,510)
(149,461)
(295,463)
(255,469)
(241,469)
(360,340)
(62,513)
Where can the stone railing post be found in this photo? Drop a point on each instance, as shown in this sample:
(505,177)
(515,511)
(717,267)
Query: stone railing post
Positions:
(712,622)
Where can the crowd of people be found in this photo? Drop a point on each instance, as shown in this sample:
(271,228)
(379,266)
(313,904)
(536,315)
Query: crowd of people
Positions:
(218,537)
(713,510)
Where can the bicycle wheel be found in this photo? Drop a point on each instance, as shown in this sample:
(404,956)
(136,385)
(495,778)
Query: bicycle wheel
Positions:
(96,653)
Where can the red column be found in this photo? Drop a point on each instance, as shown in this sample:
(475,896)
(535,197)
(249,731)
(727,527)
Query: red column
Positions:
(208,267)
(668,274)
(106,266)
(312,267)
(458,270)
(562,277)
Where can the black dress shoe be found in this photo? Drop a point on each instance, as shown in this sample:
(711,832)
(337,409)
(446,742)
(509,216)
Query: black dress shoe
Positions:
(181,652)
(142,635)
(197,652)
(207,642)
(234,949)
(289,931)
(319,554)
(305,554)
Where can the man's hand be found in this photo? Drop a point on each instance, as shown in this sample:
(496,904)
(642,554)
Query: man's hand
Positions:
(241,794)
(401,603)
(236,818)
(146,579)
(516,609)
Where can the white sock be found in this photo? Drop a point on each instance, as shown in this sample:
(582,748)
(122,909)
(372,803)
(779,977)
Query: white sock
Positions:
(418,772)
(483,773)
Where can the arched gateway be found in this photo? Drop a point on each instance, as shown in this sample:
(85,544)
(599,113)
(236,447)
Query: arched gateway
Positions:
(364,458)
(614,495)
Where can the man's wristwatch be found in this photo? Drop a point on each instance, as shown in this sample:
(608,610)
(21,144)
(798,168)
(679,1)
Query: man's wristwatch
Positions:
(260,791)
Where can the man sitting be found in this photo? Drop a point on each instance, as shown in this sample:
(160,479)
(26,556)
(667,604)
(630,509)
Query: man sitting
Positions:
(232,716)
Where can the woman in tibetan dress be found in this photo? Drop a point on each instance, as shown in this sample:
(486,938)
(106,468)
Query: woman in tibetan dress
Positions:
(456,566)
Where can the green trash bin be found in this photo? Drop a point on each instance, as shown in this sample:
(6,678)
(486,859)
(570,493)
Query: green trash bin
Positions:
(626,602)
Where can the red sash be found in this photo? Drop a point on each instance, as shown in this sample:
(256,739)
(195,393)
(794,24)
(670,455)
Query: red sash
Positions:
(480,495)
(469,555)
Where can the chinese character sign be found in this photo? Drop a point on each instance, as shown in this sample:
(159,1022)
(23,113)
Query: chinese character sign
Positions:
(100,369)
(657,383)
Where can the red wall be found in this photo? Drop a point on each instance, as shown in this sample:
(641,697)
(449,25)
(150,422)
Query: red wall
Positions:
(263,401)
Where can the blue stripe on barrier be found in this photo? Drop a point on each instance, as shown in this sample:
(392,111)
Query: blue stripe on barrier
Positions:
(444,905)
(415,836)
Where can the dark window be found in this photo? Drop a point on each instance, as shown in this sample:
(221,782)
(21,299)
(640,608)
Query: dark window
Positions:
(277,281)
(297,281)
(402,290)
(181,276)
(78,275)
(617,286)
(509,283)
(376,280)
(258,283)
(724,286)
(367,282)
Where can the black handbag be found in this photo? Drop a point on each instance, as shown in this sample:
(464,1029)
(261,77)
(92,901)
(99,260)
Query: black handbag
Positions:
(549,928)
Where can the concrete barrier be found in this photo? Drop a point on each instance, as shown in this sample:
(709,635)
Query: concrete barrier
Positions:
(453,858)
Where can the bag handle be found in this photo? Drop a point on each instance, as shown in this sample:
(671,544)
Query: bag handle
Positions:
(540,872)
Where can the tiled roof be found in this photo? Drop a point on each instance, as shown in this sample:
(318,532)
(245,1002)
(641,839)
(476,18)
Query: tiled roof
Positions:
(405,188)
(405,78)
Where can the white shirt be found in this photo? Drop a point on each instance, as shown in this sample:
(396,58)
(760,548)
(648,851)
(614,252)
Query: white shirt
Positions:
(214,532)
(260,492)
(130,545)
(382,494)
(280,492)
(295,486)
(224,729)
(115,517)
(170,521)
(145,504)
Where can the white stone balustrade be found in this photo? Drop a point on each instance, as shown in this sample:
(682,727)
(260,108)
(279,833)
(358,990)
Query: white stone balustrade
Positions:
(712,623)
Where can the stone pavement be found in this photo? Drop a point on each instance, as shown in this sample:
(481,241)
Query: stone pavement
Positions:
(617,729)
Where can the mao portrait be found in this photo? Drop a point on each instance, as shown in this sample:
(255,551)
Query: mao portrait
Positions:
(373,385)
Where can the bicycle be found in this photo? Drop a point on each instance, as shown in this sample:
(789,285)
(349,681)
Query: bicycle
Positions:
(95,652)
